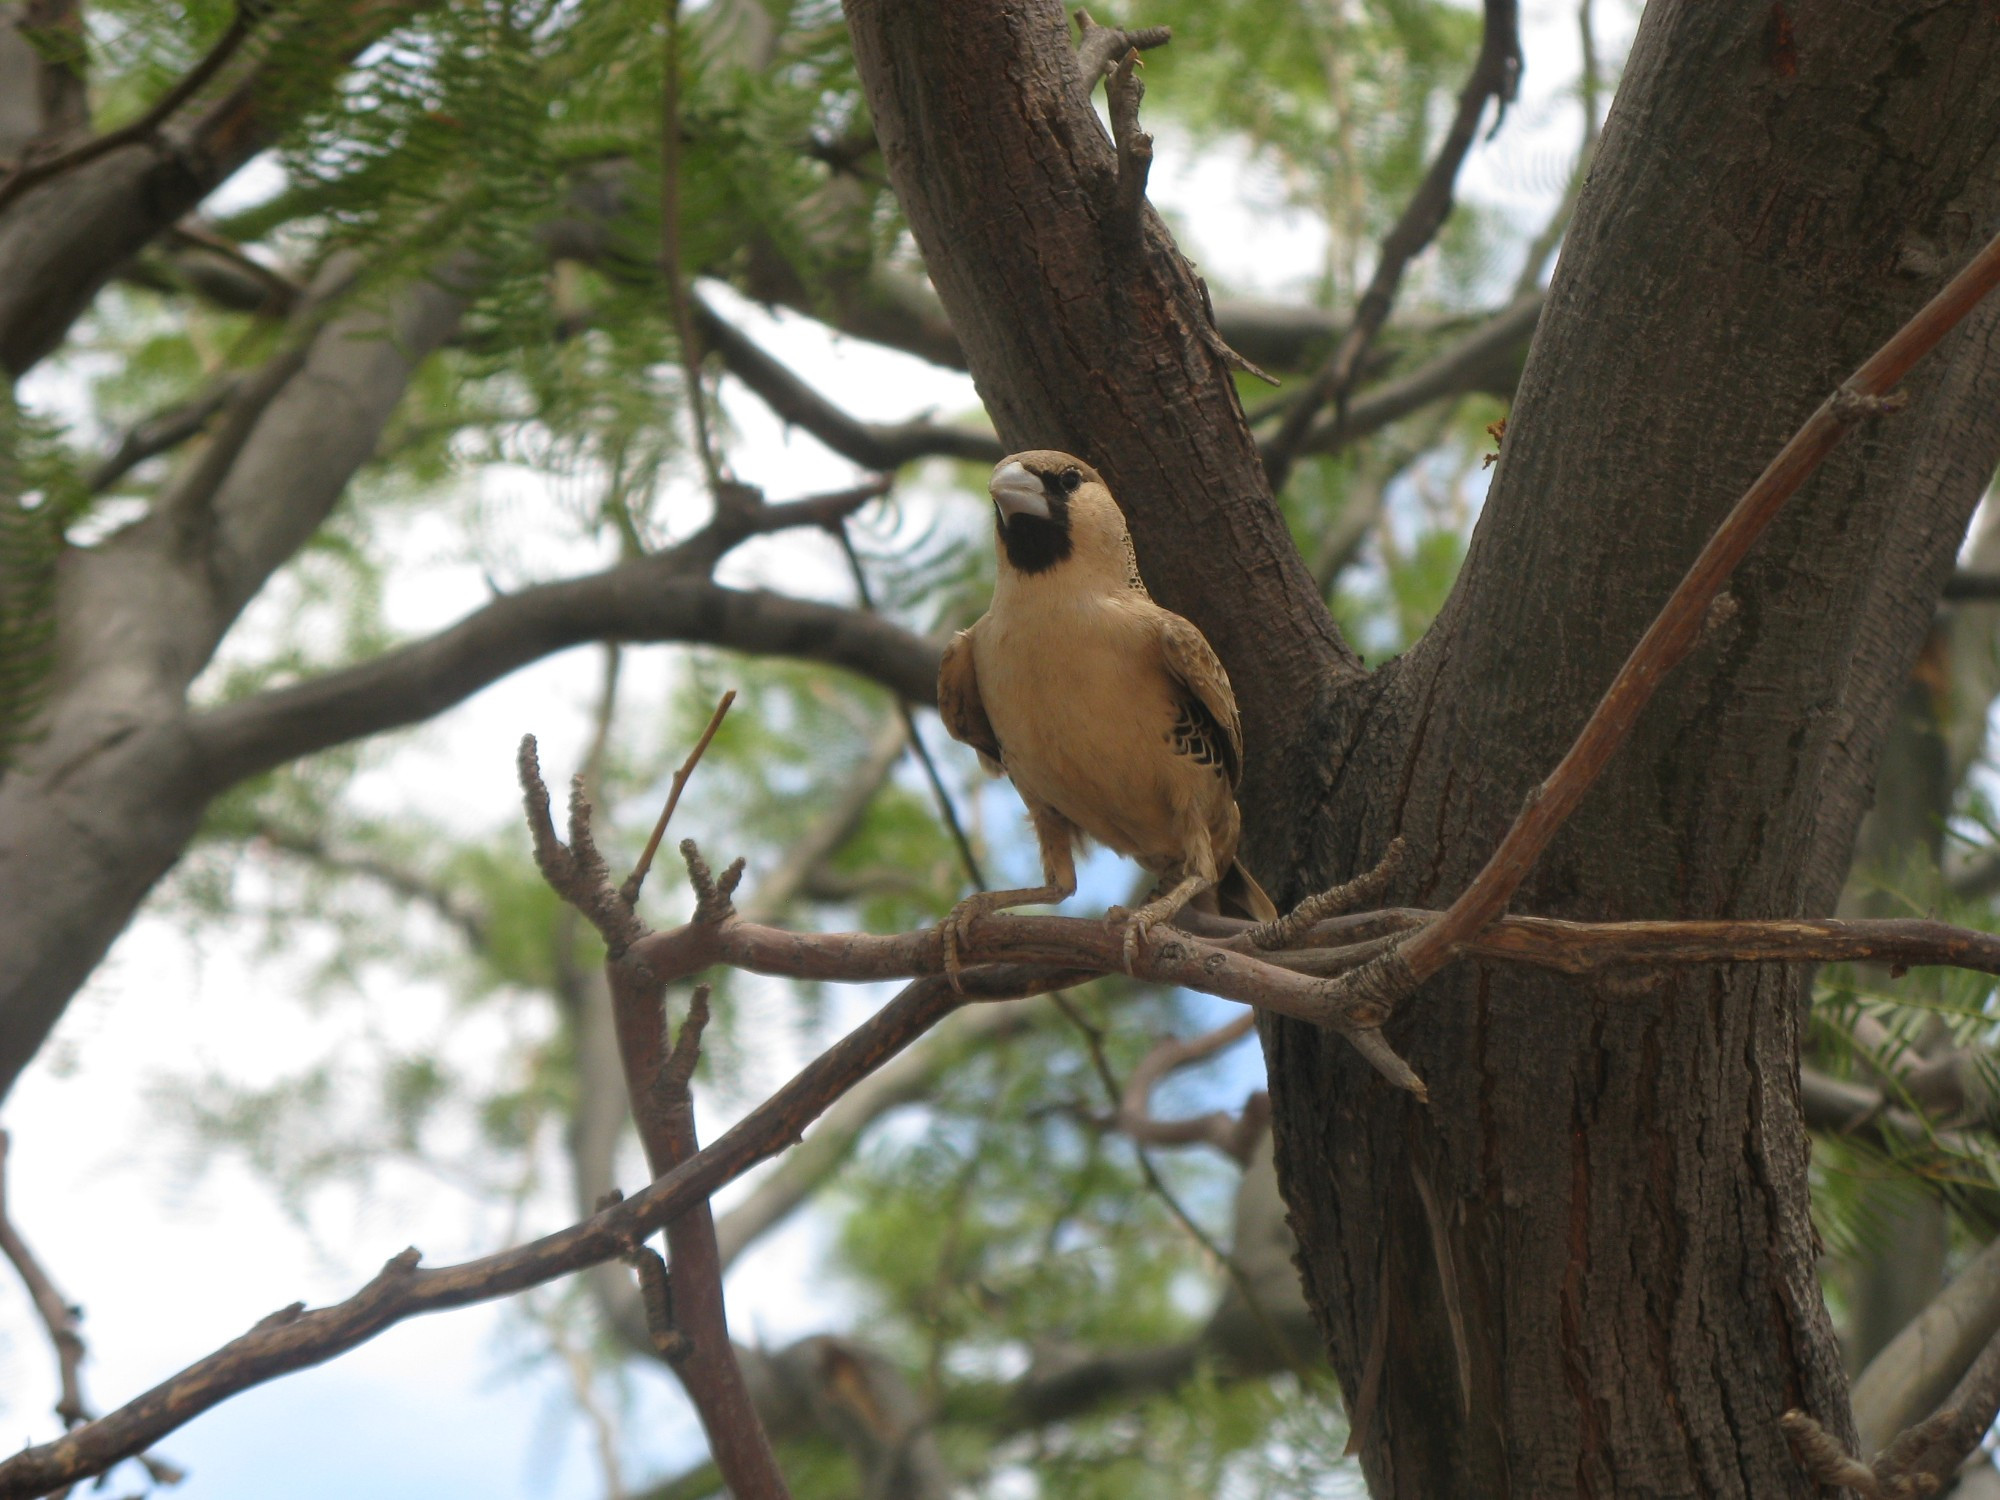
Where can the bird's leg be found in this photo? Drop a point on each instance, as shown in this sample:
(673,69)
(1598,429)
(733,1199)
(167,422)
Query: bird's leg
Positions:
(1057,839)
(1160,909)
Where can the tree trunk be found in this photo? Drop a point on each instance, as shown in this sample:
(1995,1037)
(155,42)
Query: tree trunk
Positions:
(1587,1266)
(1619,1168)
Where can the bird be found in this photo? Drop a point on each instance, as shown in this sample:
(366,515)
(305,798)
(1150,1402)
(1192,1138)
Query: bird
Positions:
(1112,716)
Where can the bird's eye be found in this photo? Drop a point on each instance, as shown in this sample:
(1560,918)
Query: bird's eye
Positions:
(1069,479)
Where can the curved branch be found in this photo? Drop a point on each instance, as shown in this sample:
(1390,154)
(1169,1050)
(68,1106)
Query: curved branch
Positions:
(878,446)
(637,601)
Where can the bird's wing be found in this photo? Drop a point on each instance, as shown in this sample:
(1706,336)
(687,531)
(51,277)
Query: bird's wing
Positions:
(1208,727)
(959,703)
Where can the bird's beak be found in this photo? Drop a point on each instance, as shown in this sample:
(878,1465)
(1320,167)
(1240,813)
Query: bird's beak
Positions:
(1017,492)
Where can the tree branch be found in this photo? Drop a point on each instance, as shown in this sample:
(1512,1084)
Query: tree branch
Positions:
(1495,75)
(1672,635)
(1915,1371)
(64,236)
(1487,359)
(27,173)
(62,1322)
(883,448)
(652,599)
(295,1339)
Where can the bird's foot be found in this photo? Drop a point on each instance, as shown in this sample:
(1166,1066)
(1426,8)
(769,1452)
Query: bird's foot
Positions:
(954,932)
(1160,909)
(1137,926)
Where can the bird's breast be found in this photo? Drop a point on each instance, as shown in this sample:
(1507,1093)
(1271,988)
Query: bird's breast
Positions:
(1085,712)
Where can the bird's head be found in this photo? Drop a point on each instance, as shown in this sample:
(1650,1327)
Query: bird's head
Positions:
(1053,511)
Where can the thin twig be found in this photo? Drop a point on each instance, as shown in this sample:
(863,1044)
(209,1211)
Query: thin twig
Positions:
(58,1316)
(670,243)
(1495,76)
(629,891)
(1672,634)
(62,1320)
(947,809)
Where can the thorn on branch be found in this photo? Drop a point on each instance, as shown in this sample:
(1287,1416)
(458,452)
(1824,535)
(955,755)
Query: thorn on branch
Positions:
(289,1313)
(1363,890)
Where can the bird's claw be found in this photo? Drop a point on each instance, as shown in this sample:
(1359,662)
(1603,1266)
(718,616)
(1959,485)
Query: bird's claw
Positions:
(955,931)
(1137,927)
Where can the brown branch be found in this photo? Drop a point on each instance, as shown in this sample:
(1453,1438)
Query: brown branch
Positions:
(1487,359)
(686,1317)
(27,174)
(1921,1459)
(1099,48)
(1235,1136)
(1672,634)
(62,1320)
(1123,92)
(1966,587)
(629,891)
(662,598)
(881,447)
(162,431)
(1495,75)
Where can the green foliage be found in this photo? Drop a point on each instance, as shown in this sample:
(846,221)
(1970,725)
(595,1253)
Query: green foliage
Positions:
(40,495)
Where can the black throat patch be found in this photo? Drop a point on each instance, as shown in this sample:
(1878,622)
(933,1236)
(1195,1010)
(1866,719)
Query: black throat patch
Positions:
(1034,545)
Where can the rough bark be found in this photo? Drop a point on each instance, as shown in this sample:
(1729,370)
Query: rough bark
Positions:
(1621,1168)
(1589,1262)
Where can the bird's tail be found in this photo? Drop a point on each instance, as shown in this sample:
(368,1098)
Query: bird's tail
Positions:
(1239,895)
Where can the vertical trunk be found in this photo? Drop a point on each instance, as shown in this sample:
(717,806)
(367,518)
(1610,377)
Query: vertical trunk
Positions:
(1588,1266)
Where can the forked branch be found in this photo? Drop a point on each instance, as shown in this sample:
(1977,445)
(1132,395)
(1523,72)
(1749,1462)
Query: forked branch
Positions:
(1670,637)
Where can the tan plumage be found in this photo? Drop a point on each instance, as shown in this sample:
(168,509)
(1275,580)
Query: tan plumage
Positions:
(1111,715)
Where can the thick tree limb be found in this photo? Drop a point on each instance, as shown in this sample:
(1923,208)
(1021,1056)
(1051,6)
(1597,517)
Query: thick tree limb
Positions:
(884,448)
(653,599)
(1917,1369)
(1673,634)
(1496,73)
(62,238)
